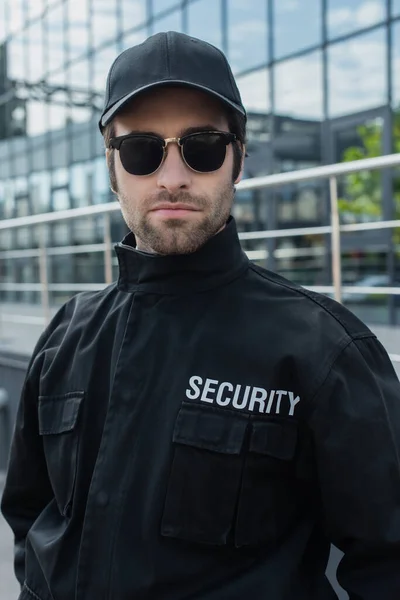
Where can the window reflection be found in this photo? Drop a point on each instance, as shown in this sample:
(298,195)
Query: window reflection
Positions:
(16,16)
(81,185)
(34,8)
(101,185)
(104,21)
(78,27)
(39,189)
(254,90)
(297,25)
(344,16)
(54,23)
(247,31)
(16,57)
(396,64)
(204,21)
(160,5)
(3,28)
(294,95)
(133,13)
(103,60)
(356,70)
(171,22)
(36,51)
(132,39)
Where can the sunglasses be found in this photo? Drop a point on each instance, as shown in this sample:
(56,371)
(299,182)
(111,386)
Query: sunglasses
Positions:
(143,154)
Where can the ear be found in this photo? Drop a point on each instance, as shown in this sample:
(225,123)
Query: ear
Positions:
(239,177)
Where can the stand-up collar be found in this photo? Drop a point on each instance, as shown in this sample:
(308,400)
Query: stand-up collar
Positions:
(216,263)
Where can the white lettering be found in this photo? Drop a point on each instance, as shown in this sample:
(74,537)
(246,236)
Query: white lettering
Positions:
(280,393)
(196,390)
(258,396)
(243,404)
(208,388)
(222,387)
(270,401)
(293,402)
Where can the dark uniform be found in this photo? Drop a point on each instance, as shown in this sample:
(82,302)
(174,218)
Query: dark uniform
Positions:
(203,430)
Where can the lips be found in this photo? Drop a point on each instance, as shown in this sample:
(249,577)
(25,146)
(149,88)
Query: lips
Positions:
(169,206)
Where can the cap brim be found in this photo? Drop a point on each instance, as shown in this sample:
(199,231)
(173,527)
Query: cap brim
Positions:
(115,108)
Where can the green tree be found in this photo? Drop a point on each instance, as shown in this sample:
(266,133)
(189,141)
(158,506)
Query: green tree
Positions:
(362,190)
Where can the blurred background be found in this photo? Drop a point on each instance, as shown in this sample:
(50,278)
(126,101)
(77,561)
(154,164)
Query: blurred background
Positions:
(321,83)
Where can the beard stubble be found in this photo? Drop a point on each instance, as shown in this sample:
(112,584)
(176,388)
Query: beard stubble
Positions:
(178,236)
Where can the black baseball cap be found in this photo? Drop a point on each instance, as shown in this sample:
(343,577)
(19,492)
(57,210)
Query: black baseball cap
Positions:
(169,59)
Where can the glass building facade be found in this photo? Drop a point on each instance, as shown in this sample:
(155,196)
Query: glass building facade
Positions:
(321,83)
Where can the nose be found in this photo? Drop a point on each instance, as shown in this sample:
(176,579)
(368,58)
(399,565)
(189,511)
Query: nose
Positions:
(173,174)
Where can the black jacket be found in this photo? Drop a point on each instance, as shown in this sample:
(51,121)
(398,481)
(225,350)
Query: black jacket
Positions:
(203,430)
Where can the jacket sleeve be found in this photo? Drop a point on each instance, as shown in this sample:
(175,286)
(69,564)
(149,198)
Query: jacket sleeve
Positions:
(27,489)
(355,425)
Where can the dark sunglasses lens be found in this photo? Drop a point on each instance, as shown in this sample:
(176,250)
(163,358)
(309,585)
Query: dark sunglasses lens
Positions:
(141,155)
(204,152)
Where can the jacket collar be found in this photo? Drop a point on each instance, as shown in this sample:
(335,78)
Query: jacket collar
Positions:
(218,262)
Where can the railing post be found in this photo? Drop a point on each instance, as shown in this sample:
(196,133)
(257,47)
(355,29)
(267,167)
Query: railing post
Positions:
(335,240)
(44,279)
(107,249)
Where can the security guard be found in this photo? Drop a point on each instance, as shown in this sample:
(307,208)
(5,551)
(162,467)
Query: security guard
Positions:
(203,429)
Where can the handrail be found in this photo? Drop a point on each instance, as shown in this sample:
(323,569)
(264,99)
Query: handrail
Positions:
(335,229)
(323,172)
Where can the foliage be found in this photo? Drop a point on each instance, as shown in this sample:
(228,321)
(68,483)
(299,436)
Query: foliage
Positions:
(363,190)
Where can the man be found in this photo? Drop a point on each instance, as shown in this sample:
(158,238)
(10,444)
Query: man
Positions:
(203,429)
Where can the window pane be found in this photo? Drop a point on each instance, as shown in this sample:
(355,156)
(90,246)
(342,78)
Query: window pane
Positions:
(78,27)
(172,22)
(204,21)
(16,16)
(357,74)
(247,31)
(132,39)
(344,16)
(133,13)
(395,7)
(34,8)
(103,60)
(3,24)
(294,96)
(81,184)
(36,51)
(16,57)
(254,89)
(39,187)
(297,25)
(396,64)
(101,183)
(104,21)
(54,21)
(160,5)
(36,118)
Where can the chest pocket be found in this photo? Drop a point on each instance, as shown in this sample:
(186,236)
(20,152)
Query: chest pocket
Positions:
(232,478)
(58,418)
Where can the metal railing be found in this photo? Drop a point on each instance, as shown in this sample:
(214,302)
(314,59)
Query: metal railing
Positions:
(335,229)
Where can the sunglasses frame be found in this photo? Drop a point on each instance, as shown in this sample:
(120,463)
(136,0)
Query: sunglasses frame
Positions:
(116,143)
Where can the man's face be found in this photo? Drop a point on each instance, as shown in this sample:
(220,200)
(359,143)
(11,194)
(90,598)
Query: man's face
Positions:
(149,203)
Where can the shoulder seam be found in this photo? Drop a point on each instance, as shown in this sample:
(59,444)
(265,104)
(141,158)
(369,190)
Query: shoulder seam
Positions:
(304,292)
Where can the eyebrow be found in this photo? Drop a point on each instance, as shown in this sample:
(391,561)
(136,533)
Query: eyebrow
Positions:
(182,133)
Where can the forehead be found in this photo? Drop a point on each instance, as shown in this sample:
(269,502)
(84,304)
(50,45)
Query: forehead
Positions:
(168,110)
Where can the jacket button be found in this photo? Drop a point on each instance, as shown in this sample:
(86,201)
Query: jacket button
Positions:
(102,499)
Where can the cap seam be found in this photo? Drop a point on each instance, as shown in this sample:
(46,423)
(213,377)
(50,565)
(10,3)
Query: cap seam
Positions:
(167,53)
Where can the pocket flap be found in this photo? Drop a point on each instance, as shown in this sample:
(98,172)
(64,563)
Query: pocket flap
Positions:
(209,429)
(274,439)
(59,414)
